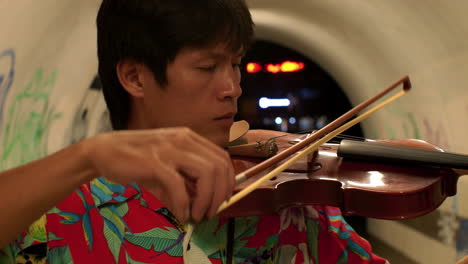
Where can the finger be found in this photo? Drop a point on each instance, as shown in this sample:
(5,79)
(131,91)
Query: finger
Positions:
(201,171)
(169,187)
(463,260)
(229,173)
(231,179)
(220,192)
(224,172)
(190,141)
(224,187)
(198,144)
(171,203)
(217,182)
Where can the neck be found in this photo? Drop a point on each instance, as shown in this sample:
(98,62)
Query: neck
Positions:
(136,118)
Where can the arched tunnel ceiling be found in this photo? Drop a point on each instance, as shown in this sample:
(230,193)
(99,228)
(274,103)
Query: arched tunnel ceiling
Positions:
(366,45)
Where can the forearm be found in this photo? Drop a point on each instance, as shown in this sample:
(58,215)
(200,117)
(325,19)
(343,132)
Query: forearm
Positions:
(30,190)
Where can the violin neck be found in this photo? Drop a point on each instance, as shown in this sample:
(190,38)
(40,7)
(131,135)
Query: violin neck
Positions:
(369,151)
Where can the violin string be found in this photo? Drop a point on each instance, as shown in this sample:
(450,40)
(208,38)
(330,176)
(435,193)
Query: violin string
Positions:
(344,136)
(336,139)
(241,177)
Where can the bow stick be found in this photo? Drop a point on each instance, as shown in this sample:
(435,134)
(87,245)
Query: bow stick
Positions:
(326,133)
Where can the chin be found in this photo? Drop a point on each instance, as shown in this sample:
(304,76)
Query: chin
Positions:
(218,136)
(221,141)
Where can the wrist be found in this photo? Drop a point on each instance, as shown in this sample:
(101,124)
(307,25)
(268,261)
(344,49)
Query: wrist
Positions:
(85,150)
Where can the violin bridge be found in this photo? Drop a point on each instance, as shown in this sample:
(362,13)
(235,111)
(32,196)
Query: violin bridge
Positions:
(260,149)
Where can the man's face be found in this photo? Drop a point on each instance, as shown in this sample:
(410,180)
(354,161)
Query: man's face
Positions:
(201,93)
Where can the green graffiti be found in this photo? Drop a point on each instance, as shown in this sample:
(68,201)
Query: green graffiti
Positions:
(408,124)
(415,131)
(28,121)
(400,123)
(390,133)
(406,121)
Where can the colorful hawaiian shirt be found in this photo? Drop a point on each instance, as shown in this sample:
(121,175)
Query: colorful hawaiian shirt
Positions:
(102,222)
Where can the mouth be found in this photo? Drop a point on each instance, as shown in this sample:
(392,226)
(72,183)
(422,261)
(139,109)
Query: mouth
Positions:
(229,115)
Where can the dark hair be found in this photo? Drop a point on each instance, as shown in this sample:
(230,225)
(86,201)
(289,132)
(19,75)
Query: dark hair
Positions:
(152,32)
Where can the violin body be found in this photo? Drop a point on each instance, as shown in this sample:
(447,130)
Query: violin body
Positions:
(370,189)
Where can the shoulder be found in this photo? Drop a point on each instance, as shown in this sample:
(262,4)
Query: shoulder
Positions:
(32,243)
(30,246)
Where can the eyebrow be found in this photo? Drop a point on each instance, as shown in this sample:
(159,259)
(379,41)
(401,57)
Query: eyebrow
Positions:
(218,55)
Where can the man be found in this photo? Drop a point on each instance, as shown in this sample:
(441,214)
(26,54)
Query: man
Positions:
(170,74)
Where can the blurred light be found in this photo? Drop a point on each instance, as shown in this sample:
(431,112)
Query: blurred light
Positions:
(321,121)
(268,121)
(290,66)
(253,67)
(308,93)
(292,120)
(287,66)
(265,102)
(273,68)
(306,123)
(278,120)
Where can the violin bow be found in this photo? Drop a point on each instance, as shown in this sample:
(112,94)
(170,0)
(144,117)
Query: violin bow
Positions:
(313,142)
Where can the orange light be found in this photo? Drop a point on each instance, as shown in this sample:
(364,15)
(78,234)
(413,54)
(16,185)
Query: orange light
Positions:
(273,68)
(253,67)
(290,66)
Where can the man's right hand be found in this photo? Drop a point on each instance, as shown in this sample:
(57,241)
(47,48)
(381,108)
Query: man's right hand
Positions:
(189,174)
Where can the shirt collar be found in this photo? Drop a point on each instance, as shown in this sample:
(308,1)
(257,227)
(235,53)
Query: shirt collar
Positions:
(107,192)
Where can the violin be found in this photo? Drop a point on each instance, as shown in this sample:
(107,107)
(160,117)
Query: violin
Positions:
(385,179)
(371,185)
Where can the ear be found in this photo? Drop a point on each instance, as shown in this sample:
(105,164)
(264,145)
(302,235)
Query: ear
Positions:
(130,74)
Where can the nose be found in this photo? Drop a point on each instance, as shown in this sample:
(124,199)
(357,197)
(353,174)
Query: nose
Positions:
(230,84)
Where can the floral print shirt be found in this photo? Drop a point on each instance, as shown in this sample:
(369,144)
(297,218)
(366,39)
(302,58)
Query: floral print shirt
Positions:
(102,222)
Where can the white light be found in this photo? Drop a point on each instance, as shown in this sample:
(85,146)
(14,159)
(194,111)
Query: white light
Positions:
(292,120)
(375,179)
(278,120)
(265,102)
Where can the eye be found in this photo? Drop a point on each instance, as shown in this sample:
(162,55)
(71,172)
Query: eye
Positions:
(208,68)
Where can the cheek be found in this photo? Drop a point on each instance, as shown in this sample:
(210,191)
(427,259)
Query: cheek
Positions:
(196,90)
(192,89)
(191,79)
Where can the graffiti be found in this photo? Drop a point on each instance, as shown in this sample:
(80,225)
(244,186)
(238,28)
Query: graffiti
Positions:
(410,127)
(462,239)
(398,123)
(27,122)
(436,135)
(406,128)
(448,225)
(92,116)
(80,125)
(7,72)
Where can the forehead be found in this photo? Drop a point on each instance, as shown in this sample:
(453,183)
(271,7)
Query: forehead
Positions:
(215,51)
